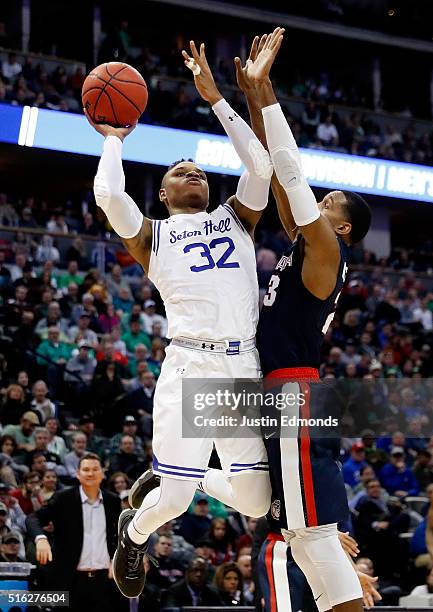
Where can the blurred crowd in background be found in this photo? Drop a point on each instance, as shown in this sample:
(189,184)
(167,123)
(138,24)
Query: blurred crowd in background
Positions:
(82,346)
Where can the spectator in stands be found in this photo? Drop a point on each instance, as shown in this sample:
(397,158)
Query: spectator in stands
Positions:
(150,317)
(85,535)
(11,68)
(4,519)
(53,351)
(72,459)
(49,485)
(193,590)
(81,332)
(135,336)
(327,133)
(46,251)
(41,404)
(123,301)
(118,483)
(23,433)
(41,447)
(245,567)
(423,314)
(228,581)
(396,478)
(56,444)
(13,405)
(168,571)
(69,300)
(115,282)
(129,428)
(10,470)
(222,545)
(352,467)
(126,460)
(28,494)
(39,463)
(53,319)
(423,469)
(71,276)
(11,543)
(377,526)
(81,367)
(106,390)
(194,525)
(16,306)
(16,516)
(109,320)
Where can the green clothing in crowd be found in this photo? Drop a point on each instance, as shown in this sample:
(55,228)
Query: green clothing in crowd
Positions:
(64,280)
(131,340)
(53,351)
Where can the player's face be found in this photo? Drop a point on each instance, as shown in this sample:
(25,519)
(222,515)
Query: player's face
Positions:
(185,186)
(332,207)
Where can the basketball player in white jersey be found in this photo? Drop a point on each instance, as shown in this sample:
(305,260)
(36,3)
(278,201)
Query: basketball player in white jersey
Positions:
(203,265)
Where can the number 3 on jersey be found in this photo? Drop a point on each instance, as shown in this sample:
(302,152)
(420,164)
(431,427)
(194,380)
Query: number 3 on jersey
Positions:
(271,293)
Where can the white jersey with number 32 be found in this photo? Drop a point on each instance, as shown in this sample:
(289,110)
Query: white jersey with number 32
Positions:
(204,267)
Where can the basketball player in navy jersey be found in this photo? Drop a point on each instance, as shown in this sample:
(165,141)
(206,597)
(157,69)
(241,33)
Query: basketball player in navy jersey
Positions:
(308,491)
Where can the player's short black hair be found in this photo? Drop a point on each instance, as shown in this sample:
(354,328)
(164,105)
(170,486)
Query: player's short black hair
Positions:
(179,161)
(175,163)
(358,214)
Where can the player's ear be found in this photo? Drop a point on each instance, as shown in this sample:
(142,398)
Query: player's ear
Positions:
(344,228)
(162,195)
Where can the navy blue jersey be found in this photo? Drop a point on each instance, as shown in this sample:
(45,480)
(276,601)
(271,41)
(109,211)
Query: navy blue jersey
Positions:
(307,484)
(293,321)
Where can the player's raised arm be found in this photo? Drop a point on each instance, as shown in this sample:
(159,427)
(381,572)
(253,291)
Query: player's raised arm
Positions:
(253,188)
(248,86)
(109,188)
(322,251)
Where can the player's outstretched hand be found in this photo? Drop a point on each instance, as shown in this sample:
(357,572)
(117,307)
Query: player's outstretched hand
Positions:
(203,77)
(244,80)
(260,68)
(349,544)
(369,592)
(109,130)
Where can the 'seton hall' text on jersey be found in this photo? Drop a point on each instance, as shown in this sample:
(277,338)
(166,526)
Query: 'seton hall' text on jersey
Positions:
(208,228)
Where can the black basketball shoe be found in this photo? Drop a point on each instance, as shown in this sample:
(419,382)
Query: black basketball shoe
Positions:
(141,487)
(128,567)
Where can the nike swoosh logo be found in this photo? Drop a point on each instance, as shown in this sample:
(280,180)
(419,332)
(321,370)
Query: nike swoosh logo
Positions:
(267,436)
(316,598)
(292,179)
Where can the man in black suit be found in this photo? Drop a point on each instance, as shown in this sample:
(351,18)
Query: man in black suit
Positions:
(193,590)
(85,538)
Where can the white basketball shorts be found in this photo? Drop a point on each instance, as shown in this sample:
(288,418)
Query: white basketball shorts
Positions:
(188,458)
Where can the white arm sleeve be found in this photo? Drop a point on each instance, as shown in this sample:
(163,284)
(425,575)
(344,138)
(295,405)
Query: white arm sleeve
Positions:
(288,166)
(253,187)
(109,189)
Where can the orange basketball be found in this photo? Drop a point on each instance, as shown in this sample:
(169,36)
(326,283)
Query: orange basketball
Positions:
(114,93)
